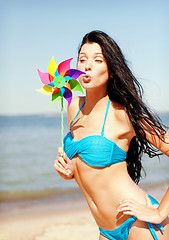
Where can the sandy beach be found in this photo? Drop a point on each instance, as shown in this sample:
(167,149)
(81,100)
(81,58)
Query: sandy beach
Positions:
(75,224)
(60,218)
(48,221)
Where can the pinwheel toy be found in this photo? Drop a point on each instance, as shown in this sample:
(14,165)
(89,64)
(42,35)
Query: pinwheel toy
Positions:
(59,82)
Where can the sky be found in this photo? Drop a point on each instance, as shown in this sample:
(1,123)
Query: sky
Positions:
(33,31)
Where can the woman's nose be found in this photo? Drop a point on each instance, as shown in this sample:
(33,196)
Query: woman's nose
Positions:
(88,66)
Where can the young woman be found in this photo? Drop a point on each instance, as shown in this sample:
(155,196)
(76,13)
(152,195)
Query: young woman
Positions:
(110,128)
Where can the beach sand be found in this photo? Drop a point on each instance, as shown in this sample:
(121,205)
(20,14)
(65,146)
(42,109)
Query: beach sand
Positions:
(60,218)
(75,224)
(48,221)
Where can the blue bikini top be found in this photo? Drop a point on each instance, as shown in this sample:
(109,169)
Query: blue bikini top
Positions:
(95,150)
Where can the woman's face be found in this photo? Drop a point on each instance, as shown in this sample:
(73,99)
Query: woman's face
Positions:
(92,62)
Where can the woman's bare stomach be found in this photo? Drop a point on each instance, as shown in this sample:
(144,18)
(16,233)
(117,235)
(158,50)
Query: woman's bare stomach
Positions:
(104,189)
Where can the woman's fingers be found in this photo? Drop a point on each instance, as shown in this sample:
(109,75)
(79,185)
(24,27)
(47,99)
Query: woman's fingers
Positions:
(125,206)
(63,154)
(130,207)
(127,203)
(62,161)
(140,211)
(129,212)
(61,166)
(60,151)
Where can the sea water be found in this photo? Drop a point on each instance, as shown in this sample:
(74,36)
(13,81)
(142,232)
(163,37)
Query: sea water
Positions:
(28,148)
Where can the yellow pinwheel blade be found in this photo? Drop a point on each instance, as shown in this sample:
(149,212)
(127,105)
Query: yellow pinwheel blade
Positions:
(45,90)
(52,67)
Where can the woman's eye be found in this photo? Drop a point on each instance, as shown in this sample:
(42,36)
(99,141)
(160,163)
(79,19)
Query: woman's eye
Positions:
(98,60)
(82,60)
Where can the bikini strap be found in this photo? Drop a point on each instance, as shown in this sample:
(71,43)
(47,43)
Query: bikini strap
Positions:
(102,133)
(77,114)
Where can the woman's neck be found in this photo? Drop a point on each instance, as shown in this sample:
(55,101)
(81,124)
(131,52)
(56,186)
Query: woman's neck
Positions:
(94,100)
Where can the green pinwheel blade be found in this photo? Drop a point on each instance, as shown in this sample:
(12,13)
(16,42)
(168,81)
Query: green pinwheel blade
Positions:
(75,85)
(56,97)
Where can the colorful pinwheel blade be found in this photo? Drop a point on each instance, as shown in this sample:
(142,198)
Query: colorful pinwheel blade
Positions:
(56,90)
(68,95)
(45,90)
(74,73)
(56,73)
(56,97)
(52,67)
(63,90)
(63,73)
(75,85)
(44,77)
(67,78)
(67,85)
(51,84)
(65,65)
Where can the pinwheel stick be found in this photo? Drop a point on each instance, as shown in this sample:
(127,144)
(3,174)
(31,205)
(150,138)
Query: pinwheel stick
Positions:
(62,127)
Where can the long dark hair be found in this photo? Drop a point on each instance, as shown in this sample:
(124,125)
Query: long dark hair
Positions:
(124,88)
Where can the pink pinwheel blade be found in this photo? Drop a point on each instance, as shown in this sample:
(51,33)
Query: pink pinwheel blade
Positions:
(64,66)
(68,95)
(74,73)
(45,78)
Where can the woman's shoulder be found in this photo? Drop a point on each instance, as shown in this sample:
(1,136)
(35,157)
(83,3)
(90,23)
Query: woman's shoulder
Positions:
(75,104)
(74,107)
(121,117)
(120,112)
(77,100)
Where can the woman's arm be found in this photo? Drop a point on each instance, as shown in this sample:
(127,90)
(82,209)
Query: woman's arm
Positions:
(163,208)
(147,213)
(162,144)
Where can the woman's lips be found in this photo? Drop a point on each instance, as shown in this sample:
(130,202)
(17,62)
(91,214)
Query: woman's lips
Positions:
(86,78)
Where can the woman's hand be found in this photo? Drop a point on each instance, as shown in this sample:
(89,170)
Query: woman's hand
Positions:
(147,213)
(64,166)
